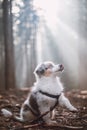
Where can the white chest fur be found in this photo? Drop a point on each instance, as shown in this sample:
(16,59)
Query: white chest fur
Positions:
(50,85)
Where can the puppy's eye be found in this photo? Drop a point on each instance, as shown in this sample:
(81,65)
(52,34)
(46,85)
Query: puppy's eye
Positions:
(46,68)
(50,66)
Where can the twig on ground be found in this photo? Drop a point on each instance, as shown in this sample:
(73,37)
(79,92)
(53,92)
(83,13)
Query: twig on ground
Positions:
(50,127)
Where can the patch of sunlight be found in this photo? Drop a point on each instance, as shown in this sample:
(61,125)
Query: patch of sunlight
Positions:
(16,7)
(48,10)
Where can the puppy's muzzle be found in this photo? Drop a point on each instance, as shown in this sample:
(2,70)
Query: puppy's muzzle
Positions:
(61,67)
(58,68)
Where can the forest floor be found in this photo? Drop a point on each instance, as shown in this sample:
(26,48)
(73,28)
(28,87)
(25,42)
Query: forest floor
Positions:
(66,120)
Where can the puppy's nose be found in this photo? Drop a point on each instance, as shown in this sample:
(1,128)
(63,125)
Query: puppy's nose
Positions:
(61,66)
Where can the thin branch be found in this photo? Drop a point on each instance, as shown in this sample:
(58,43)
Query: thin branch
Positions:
(50,127)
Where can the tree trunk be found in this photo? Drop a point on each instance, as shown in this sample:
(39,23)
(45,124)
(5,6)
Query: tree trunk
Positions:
(9,47)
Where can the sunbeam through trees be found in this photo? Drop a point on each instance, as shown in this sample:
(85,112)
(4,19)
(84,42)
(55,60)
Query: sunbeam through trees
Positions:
(37,30)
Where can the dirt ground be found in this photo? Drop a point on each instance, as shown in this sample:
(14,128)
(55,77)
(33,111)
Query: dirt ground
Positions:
(66,120)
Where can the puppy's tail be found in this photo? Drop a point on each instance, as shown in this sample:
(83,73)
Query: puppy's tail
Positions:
(6,113)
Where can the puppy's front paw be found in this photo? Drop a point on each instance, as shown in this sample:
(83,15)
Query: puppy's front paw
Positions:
(74,109)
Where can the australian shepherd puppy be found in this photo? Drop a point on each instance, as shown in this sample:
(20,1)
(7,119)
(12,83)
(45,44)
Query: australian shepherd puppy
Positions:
(44,96)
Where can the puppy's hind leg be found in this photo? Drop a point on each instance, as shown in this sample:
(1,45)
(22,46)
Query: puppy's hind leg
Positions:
(9,114)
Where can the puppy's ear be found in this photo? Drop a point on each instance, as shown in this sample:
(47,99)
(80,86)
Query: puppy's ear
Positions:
(40,70)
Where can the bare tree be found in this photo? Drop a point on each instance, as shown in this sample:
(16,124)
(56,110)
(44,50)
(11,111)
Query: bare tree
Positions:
(9,48)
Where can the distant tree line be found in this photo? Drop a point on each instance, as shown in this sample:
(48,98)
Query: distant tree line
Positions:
(28,37)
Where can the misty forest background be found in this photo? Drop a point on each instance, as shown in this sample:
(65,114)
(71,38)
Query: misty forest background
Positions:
(32,32)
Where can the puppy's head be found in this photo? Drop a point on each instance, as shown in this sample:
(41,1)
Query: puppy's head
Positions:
(47,69)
